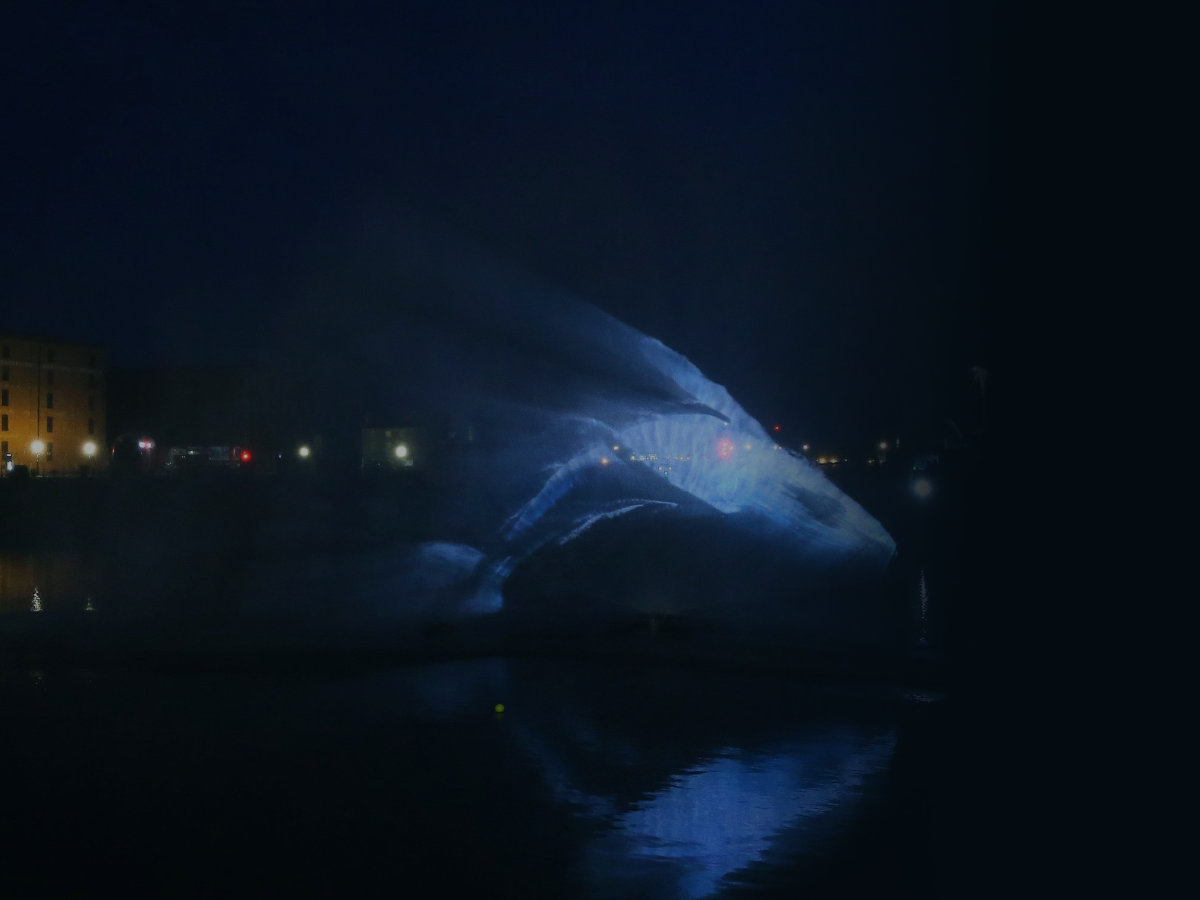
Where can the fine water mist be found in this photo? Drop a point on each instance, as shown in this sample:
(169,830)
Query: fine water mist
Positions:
(580,431)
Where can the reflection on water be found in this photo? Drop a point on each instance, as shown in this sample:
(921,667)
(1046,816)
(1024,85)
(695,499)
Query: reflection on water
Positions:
(597,779)
(51,582)
(752,766)
(725,813)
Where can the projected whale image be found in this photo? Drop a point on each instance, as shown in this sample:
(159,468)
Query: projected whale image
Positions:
(584,433)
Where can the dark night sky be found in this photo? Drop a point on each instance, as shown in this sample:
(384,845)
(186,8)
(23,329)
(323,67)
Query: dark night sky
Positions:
(796,196)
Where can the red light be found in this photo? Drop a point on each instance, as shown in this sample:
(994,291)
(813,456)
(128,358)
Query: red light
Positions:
(724,448)
(245,456)
(777,428)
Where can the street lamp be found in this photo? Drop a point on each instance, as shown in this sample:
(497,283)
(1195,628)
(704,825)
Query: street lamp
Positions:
(89,452)
(37,447)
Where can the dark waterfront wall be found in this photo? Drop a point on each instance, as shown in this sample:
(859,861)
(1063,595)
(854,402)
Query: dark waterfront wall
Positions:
(205,512)
(247,552)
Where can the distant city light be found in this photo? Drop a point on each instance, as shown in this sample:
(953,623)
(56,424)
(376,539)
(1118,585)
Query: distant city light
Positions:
(922,487)
(401,451)
(777,428)
(804,447)
(604,460)
(883,445)
(244,456)
(304,452)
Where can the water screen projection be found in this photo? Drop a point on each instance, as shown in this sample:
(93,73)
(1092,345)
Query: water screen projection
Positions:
(583,462)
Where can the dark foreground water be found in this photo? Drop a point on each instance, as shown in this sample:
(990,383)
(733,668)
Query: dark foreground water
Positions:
(223,703)
(614,777)
(600,778)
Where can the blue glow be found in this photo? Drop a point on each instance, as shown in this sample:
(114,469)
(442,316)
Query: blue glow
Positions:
(726,813)
(692,828)
(710,449)
(575,419)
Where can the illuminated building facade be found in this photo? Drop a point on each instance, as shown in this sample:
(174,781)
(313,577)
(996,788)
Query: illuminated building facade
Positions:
(53,410)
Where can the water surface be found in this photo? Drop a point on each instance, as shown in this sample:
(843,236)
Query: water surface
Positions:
(516,777)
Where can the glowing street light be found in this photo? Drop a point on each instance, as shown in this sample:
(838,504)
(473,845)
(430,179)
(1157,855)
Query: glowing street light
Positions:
(303,452)
(37,447)
(89,453)
(401,451)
